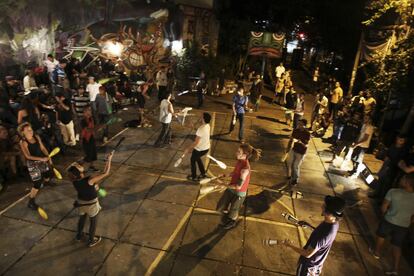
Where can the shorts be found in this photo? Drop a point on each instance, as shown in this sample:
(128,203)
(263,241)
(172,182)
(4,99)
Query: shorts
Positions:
(38,170)
(89,209)
(397,233)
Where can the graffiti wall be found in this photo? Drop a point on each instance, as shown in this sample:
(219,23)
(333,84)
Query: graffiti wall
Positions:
(132,32)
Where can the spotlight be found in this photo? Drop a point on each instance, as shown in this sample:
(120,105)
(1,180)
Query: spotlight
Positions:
(177,47)
(113,48)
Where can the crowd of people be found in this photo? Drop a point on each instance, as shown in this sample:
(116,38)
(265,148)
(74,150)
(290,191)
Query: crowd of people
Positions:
(61,104)
(67,103)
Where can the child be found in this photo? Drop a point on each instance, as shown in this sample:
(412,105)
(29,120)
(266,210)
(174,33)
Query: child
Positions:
(235,194)
(88,138)
(38,161)
(87,202)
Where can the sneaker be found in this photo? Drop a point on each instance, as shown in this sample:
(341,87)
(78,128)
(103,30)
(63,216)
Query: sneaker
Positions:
(32,205)
(372,251)
(191,178)
(94,242)
(230,224)
(391,273)
(79,237)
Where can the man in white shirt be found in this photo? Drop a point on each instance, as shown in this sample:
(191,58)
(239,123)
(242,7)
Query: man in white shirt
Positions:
(279,71)
(166,114)
(362,145)
(200,148)
(162,83)
(50,64)
(93,90)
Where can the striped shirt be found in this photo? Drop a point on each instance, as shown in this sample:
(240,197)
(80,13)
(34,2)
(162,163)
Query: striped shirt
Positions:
(80,102)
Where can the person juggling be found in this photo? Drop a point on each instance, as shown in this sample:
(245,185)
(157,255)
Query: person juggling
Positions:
(235,194)
(37,160)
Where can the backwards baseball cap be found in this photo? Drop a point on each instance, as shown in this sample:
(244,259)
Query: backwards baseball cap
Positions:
(334,205)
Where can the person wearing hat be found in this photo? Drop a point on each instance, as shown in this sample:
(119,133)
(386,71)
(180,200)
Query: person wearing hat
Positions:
(316,249)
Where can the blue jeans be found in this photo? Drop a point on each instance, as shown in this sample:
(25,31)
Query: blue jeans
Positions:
(294,162)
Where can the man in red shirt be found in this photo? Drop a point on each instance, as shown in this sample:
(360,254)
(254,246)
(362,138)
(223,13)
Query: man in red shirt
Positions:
(235,194)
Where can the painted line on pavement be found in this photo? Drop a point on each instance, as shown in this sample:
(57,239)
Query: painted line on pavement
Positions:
(13,204)
(182,222)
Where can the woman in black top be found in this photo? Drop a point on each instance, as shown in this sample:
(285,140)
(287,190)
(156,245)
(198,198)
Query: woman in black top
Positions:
(87,202)
(29,113)
(37,158)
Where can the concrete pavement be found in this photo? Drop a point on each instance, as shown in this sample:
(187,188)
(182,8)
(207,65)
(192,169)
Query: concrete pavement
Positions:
(155,222)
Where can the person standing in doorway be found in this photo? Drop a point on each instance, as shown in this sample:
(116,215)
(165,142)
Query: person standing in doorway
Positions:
(199,147)
(298,145)
(239,109)
(166,114)
(316,249)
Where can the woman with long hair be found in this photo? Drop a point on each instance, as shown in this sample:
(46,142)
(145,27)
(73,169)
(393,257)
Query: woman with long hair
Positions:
(29,113)
(37,160)
(235,194)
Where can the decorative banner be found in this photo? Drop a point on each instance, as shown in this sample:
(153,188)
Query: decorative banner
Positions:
(266,44)
(369,51)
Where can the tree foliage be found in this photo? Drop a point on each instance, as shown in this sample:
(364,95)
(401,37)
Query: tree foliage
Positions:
(392,72)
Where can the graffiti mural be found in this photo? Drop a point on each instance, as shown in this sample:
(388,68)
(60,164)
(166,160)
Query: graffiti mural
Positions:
(131,33)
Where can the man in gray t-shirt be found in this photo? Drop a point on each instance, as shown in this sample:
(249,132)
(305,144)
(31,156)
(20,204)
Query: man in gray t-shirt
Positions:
(398,212)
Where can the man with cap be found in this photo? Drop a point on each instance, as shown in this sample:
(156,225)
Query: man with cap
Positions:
(316,250)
